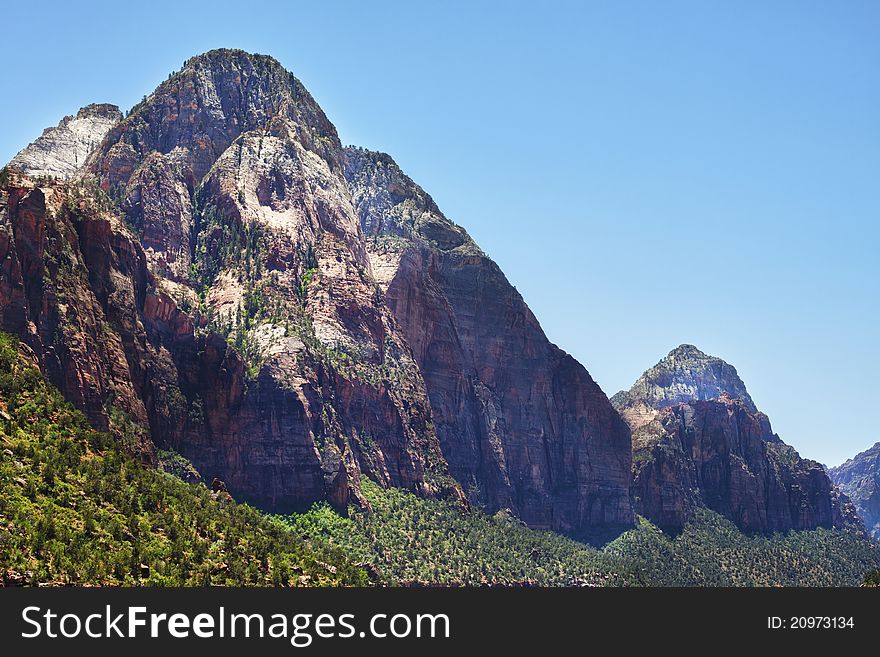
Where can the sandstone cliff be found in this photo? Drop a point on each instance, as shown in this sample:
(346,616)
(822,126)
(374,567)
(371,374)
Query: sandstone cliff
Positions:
(859,479)
(699,440)
(61,152)
(521,423)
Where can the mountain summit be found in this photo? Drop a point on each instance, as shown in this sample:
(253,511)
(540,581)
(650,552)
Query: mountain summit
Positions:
(685,374)
(61,152)
(859,478)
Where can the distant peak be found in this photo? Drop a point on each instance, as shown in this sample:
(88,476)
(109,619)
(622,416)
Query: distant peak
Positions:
(871,454)
(100,111)
(686,374)
(61,151)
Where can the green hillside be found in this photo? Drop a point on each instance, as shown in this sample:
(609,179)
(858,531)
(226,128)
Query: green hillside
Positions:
(74,509)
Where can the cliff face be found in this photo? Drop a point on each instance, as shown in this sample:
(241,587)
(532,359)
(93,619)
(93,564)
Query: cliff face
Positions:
(70,279)
(699,440)
(859,479)
(208,282)
(521,423)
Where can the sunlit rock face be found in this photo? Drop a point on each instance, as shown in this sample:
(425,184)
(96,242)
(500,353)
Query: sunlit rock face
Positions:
(61,152)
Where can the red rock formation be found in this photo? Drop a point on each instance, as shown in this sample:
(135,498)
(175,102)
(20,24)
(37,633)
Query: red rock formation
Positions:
(72,281)
(320,384)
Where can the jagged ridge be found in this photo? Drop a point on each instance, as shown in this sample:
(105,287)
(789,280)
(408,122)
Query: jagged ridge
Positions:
(61,152)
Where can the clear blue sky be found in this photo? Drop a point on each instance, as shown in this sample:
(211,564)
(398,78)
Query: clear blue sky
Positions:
(645,173)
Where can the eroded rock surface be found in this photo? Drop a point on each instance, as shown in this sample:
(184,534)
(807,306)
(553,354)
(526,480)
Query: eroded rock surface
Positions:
(61,152)
(222,279)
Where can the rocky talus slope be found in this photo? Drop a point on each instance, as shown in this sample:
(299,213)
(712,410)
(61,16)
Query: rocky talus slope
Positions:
(859,479)
(699,440)
(222,278)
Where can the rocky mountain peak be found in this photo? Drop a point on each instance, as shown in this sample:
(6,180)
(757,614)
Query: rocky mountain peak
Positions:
(62,151)
(232,57)
(686,374)
(870,457)
(391,205)
(698,440)
(687,351)
(292,316)
(199,111)
(106,111)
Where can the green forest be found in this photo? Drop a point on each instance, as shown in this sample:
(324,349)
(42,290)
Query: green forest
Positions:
(415,541)
(76,509)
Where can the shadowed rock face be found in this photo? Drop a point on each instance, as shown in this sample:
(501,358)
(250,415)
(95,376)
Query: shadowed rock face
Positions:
(521,424)
(71,280)
(719,452)
(859,479)
(223,279)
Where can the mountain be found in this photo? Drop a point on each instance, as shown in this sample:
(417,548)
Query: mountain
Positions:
(226,295)
(699,440)
(859,479)
(685,374)
(217,276)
